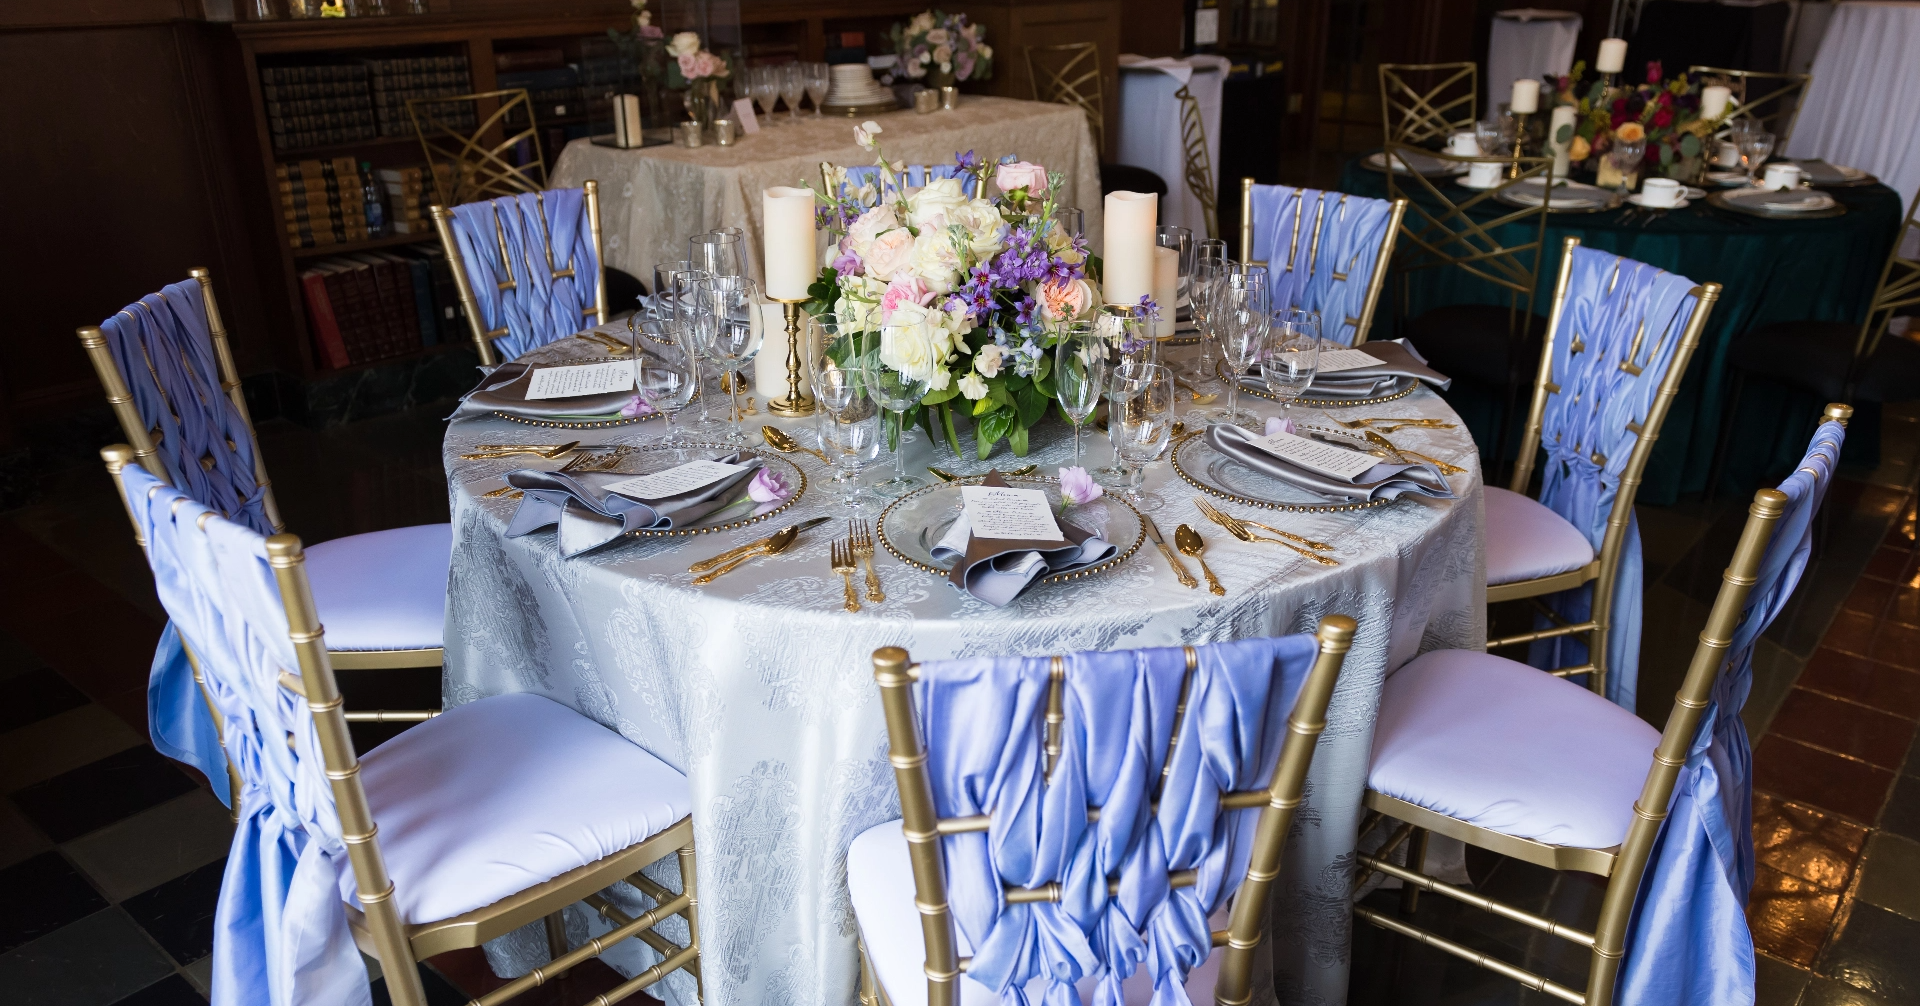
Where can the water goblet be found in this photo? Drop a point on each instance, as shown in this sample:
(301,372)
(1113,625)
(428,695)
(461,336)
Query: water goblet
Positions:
(764,90)
(727,326)
(1291,355)
(1141,416)
(853,438)
(669,374)
(825,357)
(681,289)
(818,79)
(1626,156)
(1079,374)
(793,86)
(717,252)
(894,392)
(1755,147)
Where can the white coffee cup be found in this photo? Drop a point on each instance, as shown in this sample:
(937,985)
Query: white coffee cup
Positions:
(1463,145)
(1485,174)
(1726,155)
(1781,176)
(1661,192)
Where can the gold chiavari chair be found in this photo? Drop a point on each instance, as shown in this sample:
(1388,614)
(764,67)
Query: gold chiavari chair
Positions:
(467,273)
(1574,776)
(480,168)
(1340,271)
(1425,102)
(1198,165)
(1070,74)
(924,830)
(1772,98)
(406,771)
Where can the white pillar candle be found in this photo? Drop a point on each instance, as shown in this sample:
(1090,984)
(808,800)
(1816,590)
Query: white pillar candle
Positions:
(1128,253)
(1166,289)
(792,263)
(1714,101)
(1562,120)
(1526,96)
(1613,55)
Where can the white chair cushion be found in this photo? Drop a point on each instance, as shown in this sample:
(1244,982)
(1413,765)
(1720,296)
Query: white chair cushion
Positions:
(496,796)
(384,590)
(1525,540)
(880,878)
(1509,748)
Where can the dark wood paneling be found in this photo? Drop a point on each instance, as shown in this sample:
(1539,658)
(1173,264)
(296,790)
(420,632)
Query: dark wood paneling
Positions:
(1152,27)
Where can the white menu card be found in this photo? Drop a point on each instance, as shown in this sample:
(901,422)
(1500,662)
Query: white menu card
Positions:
(1019,514)
(572,382)
(1335,360)
(1335,462)
(674,481)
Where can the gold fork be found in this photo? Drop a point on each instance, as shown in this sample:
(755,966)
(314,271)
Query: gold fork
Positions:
(1361,424)
(1214,514)
(860,536)
(578,461)
(841,556)
(1240,531)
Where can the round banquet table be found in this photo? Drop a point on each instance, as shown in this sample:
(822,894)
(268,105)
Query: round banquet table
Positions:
(1773,270)
(760,686)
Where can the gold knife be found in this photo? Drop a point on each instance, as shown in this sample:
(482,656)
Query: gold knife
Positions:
(1153,531)
(707,564)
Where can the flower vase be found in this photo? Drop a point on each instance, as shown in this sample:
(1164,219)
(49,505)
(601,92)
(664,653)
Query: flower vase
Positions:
(701,99)
(1610,177)
(937,79)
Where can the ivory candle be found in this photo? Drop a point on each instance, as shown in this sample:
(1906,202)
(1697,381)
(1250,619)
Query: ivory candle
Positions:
(1562,121)
(1714,101)
(1166,289)
(1526,96)
(1613,55)
(791,261)
(1128,254)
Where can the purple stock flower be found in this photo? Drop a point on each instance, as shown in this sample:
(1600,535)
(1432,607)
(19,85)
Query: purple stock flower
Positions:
(967,161)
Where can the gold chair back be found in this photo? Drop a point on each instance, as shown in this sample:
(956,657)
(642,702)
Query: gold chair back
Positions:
(1772,98)
(1198,163)
(1623,865)
(483,337)
(479,168)
(1424,102)
(895,672)
(1070,74)
(1899,288)
(1364,323)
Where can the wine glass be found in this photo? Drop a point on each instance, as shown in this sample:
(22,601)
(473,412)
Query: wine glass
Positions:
(677,305)
(841,403)
(1291,355)
(668,376)
(716,252)
(896,393)
(764,89)
(793,85)
(1210,266)
(1142,417)
(663,273)
(1079,374)
(1241,316)
(726,324)
(818,78)
(1754,150)
(1626,157)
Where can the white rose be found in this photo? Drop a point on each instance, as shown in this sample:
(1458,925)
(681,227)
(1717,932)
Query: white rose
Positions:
(936,261)
(984,52)
(929,207)
(983,225)
(870,225)
(989,359)
(685,43)
(973,388)
(890,252)
(913,344)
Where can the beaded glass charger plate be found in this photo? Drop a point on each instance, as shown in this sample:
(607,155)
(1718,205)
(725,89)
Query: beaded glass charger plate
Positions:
(1402,387)
(582,422)
(1567,197)
(1723,201)
(646,459)
(1215,474)
(912,525)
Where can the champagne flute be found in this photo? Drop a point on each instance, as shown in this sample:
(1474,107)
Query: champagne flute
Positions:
(727,324)
(818,78)
(1241,317)
(1142,415)
(681,285)
(793,85)
(841,403)
(1291,355)
(1079,374)
(896,393)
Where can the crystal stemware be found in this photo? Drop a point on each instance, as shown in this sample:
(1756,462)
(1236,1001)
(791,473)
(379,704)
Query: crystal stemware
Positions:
(726,323)
(1241,316)
(1142,416)
(1755,147)
(717,252)
(669,373)
(1291,355)
(1079,374)
(896,393)
(818,78)
(793,85)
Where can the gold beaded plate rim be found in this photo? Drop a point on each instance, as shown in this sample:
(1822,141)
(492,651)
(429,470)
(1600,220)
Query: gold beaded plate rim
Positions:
(561,424)
(730,525)
(880,527)
(1174,457)
(1335,403)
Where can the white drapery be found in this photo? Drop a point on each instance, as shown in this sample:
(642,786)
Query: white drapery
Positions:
(1150,127)
(1863,107)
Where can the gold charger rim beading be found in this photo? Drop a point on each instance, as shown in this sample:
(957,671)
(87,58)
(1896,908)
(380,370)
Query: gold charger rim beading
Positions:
(799,490)
(1173,456)
(579,424)
(1337,403)
(880,527)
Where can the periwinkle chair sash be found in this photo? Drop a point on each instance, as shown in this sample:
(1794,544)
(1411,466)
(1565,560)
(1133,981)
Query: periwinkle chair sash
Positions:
(536,307)
(1321,249)
(280,929)
(1621,324)
(1688,943)
(981,719)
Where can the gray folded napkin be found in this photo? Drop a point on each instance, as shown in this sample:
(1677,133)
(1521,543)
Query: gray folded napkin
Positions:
(1382,481)
(1397,361)
(1820,172)
(589,516)
(997,570)
(505,390)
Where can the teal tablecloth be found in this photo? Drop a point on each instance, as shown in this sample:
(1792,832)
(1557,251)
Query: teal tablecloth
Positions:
(1772,271)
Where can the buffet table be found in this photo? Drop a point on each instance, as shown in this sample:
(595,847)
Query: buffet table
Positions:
(653,197)
(760,687)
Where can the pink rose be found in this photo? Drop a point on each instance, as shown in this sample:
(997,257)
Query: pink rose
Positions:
(689,64)
(889,253)
(906,289)
(1021,174)
(1065,300)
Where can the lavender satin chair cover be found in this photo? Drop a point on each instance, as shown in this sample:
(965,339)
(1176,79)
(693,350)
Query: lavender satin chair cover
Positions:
(1641,313)
(539,308)
(162,346)
(1688,943)
(1120,710)
(1332,275)
(280,929)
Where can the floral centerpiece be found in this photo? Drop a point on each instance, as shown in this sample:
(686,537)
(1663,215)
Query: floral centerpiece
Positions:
(943,48)
(965,290)
(1664,113)
(698,72)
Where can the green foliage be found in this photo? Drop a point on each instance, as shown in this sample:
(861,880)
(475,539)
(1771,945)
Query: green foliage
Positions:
(988,430)
(1689,145)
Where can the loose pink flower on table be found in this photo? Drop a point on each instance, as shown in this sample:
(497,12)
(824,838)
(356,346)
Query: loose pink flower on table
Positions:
(636,406)
(1021,175)
(1077,488)
(767,486)
(1277,425)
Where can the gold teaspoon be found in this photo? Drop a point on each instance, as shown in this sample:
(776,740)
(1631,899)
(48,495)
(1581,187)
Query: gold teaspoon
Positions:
(779,440)
(1192,544)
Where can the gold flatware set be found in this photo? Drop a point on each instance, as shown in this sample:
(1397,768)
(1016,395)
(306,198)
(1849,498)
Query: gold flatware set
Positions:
(1192,544)
(781,441)
(1241,529)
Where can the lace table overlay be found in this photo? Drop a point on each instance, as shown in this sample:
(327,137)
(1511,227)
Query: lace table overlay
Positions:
(760,687)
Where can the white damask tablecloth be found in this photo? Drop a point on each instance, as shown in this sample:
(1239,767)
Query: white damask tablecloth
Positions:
(652,198)
(760,686)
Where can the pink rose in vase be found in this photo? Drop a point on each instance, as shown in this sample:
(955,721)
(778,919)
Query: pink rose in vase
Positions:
(889,253)
(907,289)
(1021,175)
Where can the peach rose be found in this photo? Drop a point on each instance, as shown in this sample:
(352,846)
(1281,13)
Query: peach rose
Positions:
(889,253)
(1631,131)
(1065,301)
(1021,174)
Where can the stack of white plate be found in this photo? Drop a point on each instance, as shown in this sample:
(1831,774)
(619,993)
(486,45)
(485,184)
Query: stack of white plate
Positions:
(853,86)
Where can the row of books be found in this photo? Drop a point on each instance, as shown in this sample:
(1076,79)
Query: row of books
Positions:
(398,81)
(376,305)
(347,102)
(411,193)
(322,202)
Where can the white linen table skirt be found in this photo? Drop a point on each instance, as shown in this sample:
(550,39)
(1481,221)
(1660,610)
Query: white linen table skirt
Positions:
(760,687)
(653,198)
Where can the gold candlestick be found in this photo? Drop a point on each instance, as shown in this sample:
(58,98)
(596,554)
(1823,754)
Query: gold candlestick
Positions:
(795,402)
(1519,143)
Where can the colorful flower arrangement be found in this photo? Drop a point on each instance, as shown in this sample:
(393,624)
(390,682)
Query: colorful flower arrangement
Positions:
(943,45)
(1664,113)
(966,292)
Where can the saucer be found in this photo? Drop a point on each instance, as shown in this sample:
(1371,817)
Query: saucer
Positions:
(1681,205)
(1727,177)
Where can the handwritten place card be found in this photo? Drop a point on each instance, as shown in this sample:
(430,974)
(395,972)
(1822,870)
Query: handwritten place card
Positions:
(1332,361)
(572,382)
(743,114)
(674,481)
(1335,462)
(1019,514)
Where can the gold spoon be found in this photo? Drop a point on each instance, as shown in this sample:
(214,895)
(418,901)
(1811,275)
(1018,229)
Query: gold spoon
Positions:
(780,542)
(1192,544)
(778,439)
